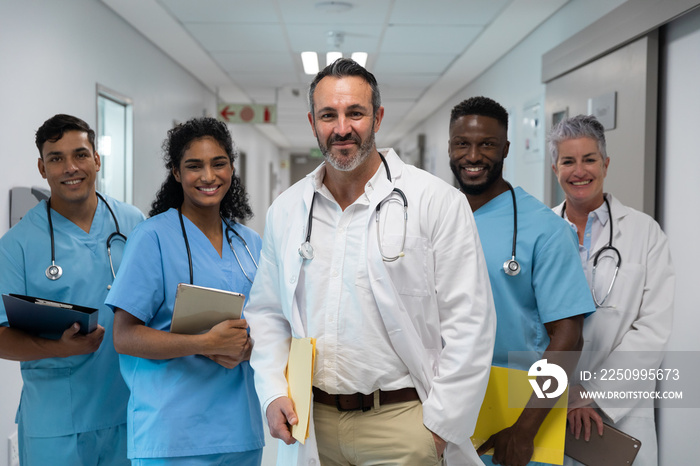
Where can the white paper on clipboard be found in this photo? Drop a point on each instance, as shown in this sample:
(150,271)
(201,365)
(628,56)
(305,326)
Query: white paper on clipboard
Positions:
(198,309)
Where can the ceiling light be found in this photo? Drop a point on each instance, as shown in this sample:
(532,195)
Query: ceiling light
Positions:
(333,56)
(334,7)
(360,58)
(310,62)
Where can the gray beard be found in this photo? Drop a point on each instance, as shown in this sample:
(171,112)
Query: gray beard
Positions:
(347,165)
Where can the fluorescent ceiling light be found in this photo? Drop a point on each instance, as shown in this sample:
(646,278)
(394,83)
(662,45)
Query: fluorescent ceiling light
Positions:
(360,58)
(310,62)
(333,56)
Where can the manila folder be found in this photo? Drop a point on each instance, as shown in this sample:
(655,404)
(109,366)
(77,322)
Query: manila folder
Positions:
(300,373)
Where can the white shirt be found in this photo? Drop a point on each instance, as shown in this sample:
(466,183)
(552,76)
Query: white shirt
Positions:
(353,350)
(596,225)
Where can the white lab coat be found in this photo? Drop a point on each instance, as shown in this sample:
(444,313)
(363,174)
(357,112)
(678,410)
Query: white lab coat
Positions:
(435,302)
(638,322)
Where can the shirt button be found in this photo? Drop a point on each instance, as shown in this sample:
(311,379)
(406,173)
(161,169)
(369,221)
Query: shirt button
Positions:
(292,279)
(334,274)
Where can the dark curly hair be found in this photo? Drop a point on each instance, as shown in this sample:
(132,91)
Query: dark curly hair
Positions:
(482,106)
(234,206)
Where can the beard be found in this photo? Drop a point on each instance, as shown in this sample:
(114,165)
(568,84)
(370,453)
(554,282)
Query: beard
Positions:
(493,174)
(344,161)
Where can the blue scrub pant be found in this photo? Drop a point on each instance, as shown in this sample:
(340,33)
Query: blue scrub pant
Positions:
(104,447)
(243,458)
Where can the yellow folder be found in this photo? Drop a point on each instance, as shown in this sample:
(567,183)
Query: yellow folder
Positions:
(300,374)
(495,414)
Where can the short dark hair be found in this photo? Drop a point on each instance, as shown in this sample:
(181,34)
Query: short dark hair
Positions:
(482,106)
(341,68)
(55,127)
(234,205)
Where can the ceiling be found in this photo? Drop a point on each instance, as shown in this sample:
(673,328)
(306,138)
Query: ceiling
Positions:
(421,51)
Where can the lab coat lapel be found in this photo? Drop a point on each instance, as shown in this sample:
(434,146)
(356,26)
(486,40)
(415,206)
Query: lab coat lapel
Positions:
(291,267)
(397,320)
(618,212)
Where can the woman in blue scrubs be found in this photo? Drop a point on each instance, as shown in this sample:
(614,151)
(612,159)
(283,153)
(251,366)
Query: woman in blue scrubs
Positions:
(192,396)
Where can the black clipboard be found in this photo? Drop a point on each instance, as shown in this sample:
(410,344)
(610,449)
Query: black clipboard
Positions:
(47,318)
(198,309)
(614,448)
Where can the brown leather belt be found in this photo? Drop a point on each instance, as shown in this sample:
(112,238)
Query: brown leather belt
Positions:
(359,401)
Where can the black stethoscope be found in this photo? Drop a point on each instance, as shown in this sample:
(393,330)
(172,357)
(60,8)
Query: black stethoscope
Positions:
(306,251)
(596,257)
(228,240)
(512,267)
(54,271)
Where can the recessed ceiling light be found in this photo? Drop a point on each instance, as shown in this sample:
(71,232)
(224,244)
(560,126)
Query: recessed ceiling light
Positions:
(360,58)
(332,57)
(334,7)
(310,62)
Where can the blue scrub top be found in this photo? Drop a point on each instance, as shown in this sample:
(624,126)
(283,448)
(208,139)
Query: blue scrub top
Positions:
(551,284)
(184,406)
(63,396)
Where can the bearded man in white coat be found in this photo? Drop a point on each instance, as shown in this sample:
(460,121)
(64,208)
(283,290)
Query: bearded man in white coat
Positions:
(381,263)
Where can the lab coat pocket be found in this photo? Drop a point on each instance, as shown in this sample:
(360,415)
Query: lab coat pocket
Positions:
(409,272)
(607,326)
(45,407)
(626,293)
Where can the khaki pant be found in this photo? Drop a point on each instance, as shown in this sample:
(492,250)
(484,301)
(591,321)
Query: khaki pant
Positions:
(391,434)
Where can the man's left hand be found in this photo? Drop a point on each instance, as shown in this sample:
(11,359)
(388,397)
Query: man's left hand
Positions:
(440,444)
(510,447)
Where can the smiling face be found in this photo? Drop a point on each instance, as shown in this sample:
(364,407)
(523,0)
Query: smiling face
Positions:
(70,166)
(205,173)
(581,170)
(477,146)
(344,122)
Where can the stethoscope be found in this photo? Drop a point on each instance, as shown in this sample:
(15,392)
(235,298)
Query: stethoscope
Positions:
(54,271)
(306,251)
(229,228)
(512,267)
(596,257)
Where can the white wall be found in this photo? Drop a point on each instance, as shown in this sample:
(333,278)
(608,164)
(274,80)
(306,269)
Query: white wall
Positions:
(52,56)
(679,192)
(514,82)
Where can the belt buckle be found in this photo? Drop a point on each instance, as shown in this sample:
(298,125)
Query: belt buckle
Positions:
(361,399)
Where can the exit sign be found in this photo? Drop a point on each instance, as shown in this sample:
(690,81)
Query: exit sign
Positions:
(247,113)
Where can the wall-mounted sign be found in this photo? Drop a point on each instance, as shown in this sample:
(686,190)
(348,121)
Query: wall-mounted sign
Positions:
(247,113)
(604,109)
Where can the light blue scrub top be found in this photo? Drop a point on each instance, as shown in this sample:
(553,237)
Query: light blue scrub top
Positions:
(63,396)
(191,405)
(551,284)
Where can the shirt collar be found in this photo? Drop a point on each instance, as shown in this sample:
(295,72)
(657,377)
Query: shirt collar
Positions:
(370,186)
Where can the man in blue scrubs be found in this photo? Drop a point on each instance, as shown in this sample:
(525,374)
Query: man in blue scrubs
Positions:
(539,309)
(73,405)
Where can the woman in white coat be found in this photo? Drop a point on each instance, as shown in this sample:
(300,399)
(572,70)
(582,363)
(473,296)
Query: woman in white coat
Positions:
(634,309)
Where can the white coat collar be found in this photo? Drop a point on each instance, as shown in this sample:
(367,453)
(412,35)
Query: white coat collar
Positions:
(619,211)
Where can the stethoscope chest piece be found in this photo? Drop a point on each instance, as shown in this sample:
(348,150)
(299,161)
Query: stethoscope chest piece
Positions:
(54,272)
(306,251)
(511,267)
